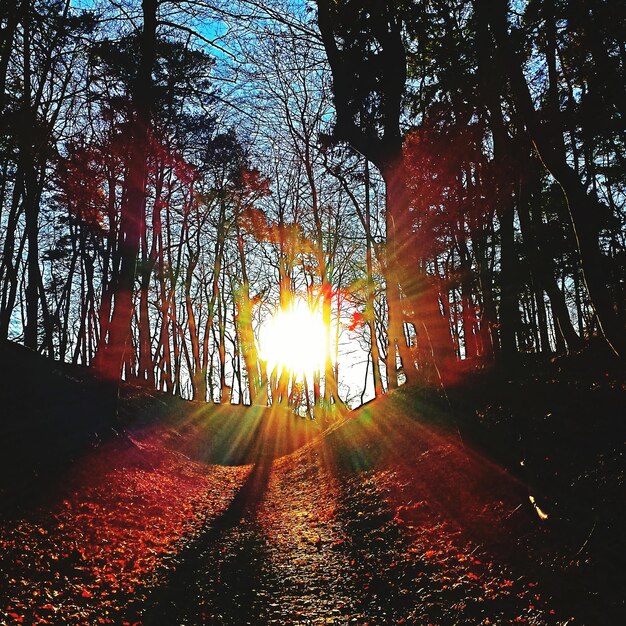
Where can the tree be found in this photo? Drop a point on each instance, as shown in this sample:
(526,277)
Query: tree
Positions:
(584,208)
(110,361)
(367,57)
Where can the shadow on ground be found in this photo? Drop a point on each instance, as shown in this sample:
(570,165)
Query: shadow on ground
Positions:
(217,577)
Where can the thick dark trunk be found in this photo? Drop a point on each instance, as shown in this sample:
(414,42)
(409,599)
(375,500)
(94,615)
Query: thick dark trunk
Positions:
(382,145)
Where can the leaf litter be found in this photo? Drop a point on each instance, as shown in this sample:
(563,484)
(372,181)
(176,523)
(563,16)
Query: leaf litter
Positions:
(381,521)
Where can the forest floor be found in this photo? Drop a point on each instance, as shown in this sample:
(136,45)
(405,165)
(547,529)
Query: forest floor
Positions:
(413,510)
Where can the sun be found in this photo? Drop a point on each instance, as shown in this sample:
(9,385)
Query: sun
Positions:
(294,338)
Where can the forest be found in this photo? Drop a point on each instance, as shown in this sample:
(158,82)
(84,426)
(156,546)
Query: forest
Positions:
(441,191)
(384,241)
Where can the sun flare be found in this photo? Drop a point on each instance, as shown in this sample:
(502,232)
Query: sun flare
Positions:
(294,338)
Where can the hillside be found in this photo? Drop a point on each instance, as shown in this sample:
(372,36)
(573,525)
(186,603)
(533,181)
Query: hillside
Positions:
(414,509)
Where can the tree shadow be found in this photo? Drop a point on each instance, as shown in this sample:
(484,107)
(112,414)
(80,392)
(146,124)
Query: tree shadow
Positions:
(217,576)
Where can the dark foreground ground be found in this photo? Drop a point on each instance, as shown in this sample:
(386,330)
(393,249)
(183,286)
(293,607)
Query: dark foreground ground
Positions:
(414,510)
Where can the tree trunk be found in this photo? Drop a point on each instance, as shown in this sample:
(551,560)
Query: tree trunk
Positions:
(382,145)
(244,324)
(509,312)
(370,313)
(10,261)
(133,208)
(397,270)
(31,203)
(198,381)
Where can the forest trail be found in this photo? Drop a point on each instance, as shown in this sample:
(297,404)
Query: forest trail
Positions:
(385,518)
(380,521)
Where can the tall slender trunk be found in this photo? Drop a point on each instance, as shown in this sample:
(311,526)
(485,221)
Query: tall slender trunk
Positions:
(31,204)
(468,315)
(489,341)
(244,325)
(10,261)
(198,381)
(146,365)
(396,205)
(148,262)
(221,348)
(509,312)
(370,314)
(213,301)
(87,279)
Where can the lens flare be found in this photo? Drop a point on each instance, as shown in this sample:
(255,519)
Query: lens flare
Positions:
(294,338)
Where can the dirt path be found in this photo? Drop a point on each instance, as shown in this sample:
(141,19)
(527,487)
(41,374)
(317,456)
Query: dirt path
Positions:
(383,520)
(355,529)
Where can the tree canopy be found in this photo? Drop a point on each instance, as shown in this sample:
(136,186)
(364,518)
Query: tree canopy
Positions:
(442,182)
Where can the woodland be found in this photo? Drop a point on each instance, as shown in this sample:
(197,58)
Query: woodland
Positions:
(312,311)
